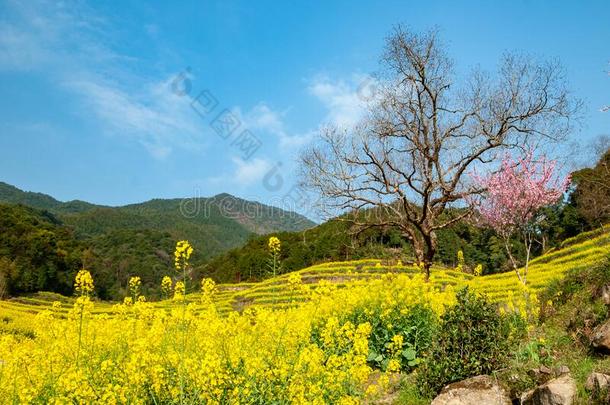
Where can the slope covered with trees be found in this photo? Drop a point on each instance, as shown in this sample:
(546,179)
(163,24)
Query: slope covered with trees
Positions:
(214,224)
(36,252)
(336,240)
(44,241)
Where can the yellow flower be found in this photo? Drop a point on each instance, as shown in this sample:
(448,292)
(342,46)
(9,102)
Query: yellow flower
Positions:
(393,366)
(179,290)
(397,342)
(166,286)
(208,287)
(182,254)
(83,283)
(135,283)
(294,281)
(460,261)
(274,245)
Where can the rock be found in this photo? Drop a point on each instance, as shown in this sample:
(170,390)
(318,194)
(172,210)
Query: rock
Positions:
(559,371)
(559,391)
(541,374)
(526,397)
(597,381)
(600,338)
(534,373)
(605,294)
(544,369)
(477,390)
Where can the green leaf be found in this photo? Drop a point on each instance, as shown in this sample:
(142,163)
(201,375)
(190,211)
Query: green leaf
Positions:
(409,354)
(372,356)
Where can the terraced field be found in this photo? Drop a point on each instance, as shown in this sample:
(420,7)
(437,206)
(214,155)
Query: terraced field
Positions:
(580,252)
(577,253)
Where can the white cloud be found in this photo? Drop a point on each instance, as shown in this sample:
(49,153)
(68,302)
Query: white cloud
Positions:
(154,116)
(346,100)
(251,171)
(44,35)
(263,118)
(67,43)
(18,50)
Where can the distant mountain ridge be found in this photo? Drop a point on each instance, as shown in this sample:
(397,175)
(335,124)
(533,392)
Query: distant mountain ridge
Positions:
(214,225)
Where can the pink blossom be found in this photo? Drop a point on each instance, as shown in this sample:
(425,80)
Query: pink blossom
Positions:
(517,191)
(513,195)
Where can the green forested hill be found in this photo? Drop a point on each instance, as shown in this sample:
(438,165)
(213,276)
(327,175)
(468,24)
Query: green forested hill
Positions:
(116,242)
(336,241)
(39,252)
(36,251)
(230,240)
(116,256)
(213,225)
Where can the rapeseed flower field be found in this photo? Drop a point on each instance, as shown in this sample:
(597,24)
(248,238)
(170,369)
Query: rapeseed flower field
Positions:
(310,336)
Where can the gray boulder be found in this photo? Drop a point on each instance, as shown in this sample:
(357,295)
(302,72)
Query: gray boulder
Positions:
(597,381)
(600,338)
(558,391)
(478,390)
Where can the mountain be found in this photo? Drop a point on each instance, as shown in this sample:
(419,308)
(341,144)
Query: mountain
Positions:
(12,194)
(213,225)
(118,242)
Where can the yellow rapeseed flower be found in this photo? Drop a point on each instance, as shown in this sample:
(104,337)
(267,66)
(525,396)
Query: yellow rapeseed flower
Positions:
(83,283)
(166,286)
(135,283)
(274,245)
(179,290)
(182,254)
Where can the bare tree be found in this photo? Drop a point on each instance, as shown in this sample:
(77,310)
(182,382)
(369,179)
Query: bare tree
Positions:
(408,158)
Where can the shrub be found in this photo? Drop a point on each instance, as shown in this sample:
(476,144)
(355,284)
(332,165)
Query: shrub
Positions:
(473,339)
(574,303)
(403,335)
(405,338)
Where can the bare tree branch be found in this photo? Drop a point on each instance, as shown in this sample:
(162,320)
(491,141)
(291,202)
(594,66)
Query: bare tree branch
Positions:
(409,157)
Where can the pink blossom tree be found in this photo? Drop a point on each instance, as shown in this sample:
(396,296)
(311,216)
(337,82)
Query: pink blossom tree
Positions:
(512,197)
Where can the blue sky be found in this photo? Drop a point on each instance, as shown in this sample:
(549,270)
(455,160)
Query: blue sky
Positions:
(90,108)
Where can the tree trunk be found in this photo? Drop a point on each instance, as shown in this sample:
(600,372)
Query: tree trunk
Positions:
(430,240)
(528,238)
(427,266)
(512,259)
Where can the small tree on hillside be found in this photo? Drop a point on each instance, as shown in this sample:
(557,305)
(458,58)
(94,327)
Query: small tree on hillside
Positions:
(513,197)
(425,131)
(592,193)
